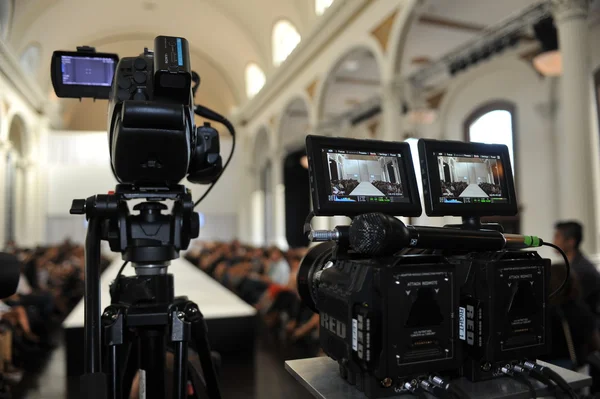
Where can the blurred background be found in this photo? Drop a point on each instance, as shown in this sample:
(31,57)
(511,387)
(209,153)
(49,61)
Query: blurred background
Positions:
(525,73)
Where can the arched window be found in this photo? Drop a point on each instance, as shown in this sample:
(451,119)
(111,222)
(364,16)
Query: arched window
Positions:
(321,6)
(285,39)
(30,59)
(494,123)
(255,79)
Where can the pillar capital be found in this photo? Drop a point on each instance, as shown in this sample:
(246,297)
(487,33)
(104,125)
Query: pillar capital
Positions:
(567,9)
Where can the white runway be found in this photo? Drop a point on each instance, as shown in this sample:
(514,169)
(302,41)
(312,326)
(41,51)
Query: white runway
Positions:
(473,191)
(366,188)
(214,300)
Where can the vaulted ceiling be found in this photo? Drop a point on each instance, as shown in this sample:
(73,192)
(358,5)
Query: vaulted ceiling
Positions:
(224,36)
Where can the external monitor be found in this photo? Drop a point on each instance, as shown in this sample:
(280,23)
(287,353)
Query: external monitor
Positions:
(350,177)
(466,179)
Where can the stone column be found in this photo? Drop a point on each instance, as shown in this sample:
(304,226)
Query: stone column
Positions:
(277,203)
(4,148)
(391,108)
(575,185)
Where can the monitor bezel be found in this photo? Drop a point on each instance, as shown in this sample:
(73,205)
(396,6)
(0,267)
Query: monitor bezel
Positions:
(431,179)
(319,179)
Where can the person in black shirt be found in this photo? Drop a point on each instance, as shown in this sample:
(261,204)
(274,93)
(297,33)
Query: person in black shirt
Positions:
(572,324)
(568,236)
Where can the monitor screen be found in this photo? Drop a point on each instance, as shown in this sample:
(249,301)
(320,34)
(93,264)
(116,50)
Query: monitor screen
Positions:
(466,179)
(353,176)
(471,179)
(360,176)
(87,71)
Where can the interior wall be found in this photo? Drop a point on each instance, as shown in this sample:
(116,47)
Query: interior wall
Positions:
(509,79)
(80,168)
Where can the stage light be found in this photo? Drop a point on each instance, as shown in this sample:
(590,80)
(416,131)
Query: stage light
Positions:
(549,61)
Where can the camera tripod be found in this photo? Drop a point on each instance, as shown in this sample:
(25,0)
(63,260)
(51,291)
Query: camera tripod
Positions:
(143,313)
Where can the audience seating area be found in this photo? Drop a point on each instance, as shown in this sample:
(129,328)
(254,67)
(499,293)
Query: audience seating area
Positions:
(51,284)
(388,188)
(344,186)
(266,279)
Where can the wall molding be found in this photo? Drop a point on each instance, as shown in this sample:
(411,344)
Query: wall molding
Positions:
(24,85)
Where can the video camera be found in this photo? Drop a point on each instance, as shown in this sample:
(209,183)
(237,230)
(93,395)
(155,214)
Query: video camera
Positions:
(407,308)
(154,143)
(153,139)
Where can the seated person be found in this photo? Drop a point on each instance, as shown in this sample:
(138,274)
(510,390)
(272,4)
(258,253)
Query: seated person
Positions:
(568,236)
(572,323)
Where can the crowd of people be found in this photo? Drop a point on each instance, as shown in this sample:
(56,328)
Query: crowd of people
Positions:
(453,189)
(266,279)
(491,189)
(388,188)
(50,285)
(343,187)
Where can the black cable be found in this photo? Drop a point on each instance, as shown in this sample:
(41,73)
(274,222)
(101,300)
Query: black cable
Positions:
(121,270)
(567,266)
(214,116)
(536,375)
(554,376)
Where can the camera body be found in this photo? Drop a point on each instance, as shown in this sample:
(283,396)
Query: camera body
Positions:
(153,139)
(503,314)
(387,320)
(398,303)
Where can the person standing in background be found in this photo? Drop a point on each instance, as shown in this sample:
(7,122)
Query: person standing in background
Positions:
(568,235)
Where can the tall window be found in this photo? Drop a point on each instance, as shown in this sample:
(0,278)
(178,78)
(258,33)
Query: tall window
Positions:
(255,79)
(321,6)
(285,39)
(494,123)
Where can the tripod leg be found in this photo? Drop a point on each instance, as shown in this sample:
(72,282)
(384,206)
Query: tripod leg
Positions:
(180,334)
(200,336)
(113,321)
(152,362)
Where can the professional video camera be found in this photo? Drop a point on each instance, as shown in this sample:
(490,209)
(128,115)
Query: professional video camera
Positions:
(154,143)
(408,308)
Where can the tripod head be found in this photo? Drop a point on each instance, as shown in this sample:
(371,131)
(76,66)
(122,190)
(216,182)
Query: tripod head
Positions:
(149,239)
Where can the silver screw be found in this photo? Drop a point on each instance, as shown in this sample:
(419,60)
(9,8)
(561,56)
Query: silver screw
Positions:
(181,315)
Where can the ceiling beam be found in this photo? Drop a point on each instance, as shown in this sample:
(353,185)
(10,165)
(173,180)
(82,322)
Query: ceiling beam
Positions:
(357,81)
(441,22)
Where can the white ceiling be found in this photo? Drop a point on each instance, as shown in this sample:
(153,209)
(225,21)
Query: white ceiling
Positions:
(224,36)
(433,40)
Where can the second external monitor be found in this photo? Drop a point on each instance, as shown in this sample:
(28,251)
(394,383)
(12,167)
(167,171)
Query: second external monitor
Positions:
(466,179)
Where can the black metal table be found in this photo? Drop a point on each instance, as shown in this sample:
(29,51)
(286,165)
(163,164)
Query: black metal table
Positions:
(321,377)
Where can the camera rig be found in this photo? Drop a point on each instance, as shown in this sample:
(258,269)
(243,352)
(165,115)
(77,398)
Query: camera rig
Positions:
(405,307)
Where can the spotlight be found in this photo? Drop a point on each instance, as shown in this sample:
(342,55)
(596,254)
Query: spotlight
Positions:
(486,52)
(549,61)
(474,58)
(498,46)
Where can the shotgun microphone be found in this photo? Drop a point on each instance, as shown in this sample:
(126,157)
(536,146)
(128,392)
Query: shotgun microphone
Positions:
(380,234)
